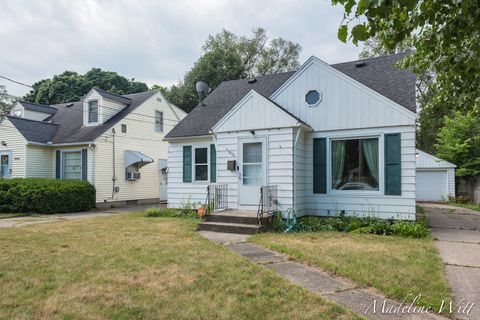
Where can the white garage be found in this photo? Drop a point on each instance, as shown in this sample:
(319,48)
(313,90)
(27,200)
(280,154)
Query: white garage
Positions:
(435,178)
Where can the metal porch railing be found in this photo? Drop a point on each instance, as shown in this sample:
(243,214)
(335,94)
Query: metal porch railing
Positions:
(217,198)
(268,201)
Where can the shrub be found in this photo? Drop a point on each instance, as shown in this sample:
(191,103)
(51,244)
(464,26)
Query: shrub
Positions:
(169,213)
(45,195)
(356,224)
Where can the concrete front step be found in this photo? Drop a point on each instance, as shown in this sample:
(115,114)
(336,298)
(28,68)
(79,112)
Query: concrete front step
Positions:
(239,228)
(229,218)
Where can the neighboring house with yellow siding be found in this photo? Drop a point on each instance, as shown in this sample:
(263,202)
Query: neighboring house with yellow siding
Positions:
(115,142)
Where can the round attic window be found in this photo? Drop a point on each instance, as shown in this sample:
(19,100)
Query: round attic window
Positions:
(313,97)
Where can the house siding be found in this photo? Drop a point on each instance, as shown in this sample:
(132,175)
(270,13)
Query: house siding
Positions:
(39,162)
(279,166)
(141,136)
(109,108)
(16,144)
(376,204)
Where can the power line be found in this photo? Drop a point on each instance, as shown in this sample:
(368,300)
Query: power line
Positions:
(15,81)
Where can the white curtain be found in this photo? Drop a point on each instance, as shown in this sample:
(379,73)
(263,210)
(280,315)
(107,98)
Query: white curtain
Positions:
(370,151)
(338,162)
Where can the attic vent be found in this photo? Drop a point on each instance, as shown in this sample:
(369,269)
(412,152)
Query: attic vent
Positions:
(252,80)
(360,64)
(69,105)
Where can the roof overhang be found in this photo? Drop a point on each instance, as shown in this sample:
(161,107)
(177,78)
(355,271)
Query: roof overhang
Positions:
(178,139)
(66,144)
(136,158)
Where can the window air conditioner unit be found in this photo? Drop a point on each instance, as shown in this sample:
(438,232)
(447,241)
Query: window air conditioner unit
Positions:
(132,176)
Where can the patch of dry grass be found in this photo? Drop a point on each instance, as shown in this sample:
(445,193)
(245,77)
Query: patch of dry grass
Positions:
(132,267)
(397,266)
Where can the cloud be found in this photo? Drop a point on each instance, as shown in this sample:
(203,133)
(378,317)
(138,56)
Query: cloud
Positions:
(151,41)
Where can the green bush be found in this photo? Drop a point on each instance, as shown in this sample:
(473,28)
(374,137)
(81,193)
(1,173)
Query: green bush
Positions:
(169,213)
(45,195)
(355,224)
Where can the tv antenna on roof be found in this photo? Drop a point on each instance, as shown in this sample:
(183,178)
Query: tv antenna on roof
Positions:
(202,91)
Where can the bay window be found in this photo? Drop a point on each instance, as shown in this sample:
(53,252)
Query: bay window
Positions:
(355,164)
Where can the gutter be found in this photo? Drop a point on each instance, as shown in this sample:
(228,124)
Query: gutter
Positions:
(187,138)
(60,144)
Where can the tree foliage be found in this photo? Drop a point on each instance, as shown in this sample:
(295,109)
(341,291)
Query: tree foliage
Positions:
(6,100)
(226,56)
(444,33)
(373,47)
(71,86)
(459,143)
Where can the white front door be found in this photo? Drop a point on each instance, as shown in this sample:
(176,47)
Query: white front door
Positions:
(5,164)
(252,170)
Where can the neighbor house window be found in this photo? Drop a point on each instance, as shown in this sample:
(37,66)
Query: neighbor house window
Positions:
(355,164)
(72,165)
(158,121)
(93,111)
(201,164)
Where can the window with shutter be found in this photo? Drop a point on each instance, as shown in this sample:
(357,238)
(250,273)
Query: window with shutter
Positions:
(320,165)
(393,165)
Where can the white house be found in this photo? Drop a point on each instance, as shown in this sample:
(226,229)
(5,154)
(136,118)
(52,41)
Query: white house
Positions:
(328,138)
(435,178)
(115,142)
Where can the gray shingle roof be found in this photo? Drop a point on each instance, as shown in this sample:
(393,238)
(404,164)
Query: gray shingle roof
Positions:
(66,125)
(32,130)
(37,107)
(113,96)
(202,118)
(379,74)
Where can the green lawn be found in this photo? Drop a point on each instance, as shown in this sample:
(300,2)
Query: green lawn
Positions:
(394,265)
(472,206)
(133,267)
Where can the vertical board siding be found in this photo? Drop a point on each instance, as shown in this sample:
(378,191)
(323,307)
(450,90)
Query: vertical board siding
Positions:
(16,143)
(345,104)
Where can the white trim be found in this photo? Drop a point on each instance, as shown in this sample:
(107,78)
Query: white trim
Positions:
(62,164)
(341,75)
(381,161)
(314,104)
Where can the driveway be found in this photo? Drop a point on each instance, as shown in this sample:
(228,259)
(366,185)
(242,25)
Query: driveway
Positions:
(457,232)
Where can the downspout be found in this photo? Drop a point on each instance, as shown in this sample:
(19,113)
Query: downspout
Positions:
(114,178)
(294,165)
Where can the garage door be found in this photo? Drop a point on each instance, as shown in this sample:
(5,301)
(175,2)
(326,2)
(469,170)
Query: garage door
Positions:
(432,185)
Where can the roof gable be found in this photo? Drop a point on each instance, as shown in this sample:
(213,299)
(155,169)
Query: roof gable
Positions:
(37,107)
(254,112)
(346,103)
(34,131)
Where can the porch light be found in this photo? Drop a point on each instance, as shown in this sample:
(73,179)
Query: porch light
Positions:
(252,132)
(4,143)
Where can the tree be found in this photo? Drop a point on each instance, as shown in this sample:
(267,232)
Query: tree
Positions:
(444,33)
(71,86)
(373,47)
(226,56)
(6,100)
(459,142)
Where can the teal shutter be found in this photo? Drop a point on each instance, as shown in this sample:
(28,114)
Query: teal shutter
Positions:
(187,163)
(213,163)
(84,164)
(58,159)
(393,165)
(320,165)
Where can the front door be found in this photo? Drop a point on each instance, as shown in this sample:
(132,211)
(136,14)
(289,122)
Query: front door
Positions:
(252,171)
(5,165)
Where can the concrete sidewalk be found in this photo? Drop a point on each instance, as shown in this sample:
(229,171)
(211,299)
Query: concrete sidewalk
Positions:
(457,231)
(342,291)
(49,218)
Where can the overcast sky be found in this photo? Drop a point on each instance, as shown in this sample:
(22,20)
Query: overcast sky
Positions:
(151,41)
